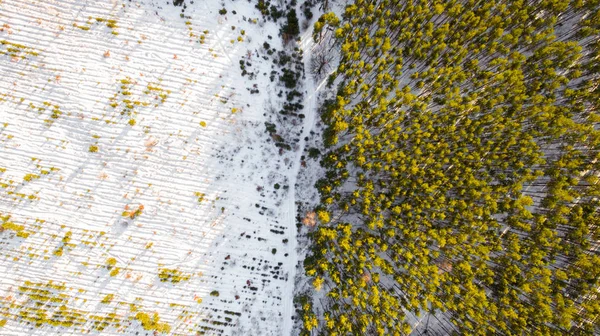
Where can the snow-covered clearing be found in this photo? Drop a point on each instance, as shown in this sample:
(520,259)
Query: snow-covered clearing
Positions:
(131,147)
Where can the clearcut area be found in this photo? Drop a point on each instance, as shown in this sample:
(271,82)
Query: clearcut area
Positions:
(139,190)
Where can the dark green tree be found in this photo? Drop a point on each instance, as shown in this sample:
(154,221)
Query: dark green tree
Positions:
(291,27)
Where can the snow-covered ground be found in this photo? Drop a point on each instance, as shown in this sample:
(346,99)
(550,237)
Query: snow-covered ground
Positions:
(131,146)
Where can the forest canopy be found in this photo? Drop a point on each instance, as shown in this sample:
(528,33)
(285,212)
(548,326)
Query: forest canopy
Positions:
(462,173)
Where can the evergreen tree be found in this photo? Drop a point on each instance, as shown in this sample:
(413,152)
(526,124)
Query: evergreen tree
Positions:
(291,26)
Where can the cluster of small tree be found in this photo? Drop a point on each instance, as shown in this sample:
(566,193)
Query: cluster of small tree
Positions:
(268,10)
(291,26)
(462,169)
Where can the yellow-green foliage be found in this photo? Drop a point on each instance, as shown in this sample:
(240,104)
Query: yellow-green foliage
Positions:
(67,238)
(46,297)
(65,242)
(110,262)
(200,196)
(172,275)
(445,115)
(42,294)
(18,229)
(30,177)
(56,112)
(111,24)
(323,216)
(155,88)
(58,252)
(127,100)
(108,298)
(102,322)
(17,50)
(152,323)
(12,226)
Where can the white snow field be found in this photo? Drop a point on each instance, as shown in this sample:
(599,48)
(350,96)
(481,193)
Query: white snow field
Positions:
(139,191)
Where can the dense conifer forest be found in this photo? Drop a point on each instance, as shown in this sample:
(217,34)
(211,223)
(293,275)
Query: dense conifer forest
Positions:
(462,169)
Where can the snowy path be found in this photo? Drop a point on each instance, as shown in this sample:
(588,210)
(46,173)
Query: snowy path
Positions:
(306,45)
(107,106)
